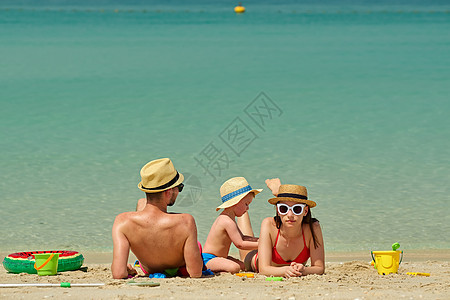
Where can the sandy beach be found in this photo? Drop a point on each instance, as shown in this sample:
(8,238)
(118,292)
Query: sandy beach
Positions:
(348,276)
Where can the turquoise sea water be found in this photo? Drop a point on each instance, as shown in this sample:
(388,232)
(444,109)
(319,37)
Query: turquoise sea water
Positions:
(348,98)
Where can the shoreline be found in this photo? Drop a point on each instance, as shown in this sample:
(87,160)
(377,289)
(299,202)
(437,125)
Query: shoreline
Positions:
(422,255)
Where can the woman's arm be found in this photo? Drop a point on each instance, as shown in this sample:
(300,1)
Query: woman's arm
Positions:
(317,254)
(265,254)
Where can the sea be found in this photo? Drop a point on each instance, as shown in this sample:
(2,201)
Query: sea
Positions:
(349,98)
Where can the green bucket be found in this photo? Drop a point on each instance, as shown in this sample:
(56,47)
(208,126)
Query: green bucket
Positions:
(46,263)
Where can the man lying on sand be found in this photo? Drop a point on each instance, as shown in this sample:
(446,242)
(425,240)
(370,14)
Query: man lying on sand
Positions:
(161,241)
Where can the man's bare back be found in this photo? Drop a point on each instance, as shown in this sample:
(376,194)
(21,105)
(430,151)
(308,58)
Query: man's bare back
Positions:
(160,240)
(156,238)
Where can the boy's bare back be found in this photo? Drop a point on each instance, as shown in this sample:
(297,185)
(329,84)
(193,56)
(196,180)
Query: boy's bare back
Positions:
(218,241)
(236,195)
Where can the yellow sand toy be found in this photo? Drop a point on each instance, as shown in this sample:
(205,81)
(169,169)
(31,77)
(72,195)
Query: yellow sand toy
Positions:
(418,274)
(387,262)
(248,275)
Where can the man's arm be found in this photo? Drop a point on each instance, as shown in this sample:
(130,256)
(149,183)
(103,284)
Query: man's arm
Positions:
(121,250)
(192,256)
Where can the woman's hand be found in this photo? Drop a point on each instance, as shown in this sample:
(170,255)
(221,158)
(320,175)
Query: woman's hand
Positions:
(274,185)
(299,267)
(291,271)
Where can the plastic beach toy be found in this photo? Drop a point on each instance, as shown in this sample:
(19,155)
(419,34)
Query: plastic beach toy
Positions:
(144,283)
(274,278)
(46,263)
(157,275)
(418,274)
(62,284)
(395,246)
(207,272)
(387,262)
(23,262)
(248,275)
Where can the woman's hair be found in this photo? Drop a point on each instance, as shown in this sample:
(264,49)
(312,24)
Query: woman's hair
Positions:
(308,219)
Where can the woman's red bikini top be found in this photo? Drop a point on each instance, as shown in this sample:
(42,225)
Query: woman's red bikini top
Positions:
(301,258)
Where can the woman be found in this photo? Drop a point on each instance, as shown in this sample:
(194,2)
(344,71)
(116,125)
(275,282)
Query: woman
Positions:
(289,239)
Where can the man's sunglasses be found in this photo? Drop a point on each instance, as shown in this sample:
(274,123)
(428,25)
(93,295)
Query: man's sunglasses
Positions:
(180,187)
(297,209)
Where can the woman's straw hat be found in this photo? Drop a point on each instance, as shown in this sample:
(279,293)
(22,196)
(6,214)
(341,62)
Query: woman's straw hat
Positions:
(291,192)
(159,175)
(233,190)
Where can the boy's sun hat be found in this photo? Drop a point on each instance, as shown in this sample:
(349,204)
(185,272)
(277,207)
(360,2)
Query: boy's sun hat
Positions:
(159,175)
(233,190)
(291,192)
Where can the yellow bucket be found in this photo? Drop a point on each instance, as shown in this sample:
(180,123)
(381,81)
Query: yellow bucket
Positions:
(46,263)
(387,262)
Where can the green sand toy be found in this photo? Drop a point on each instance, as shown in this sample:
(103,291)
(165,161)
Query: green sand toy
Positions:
(274,278)
(144,283)
(395,246)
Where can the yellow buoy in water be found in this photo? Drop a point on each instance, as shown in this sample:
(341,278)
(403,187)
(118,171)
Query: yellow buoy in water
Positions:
(239,9)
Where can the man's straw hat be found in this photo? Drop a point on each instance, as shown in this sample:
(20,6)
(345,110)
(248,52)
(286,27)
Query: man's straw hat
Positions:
(233,190)
(159,175)
(291,192)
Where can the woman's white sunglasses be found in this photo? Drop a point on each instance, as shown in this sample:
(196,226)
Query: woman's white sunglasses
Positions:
(297,209)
